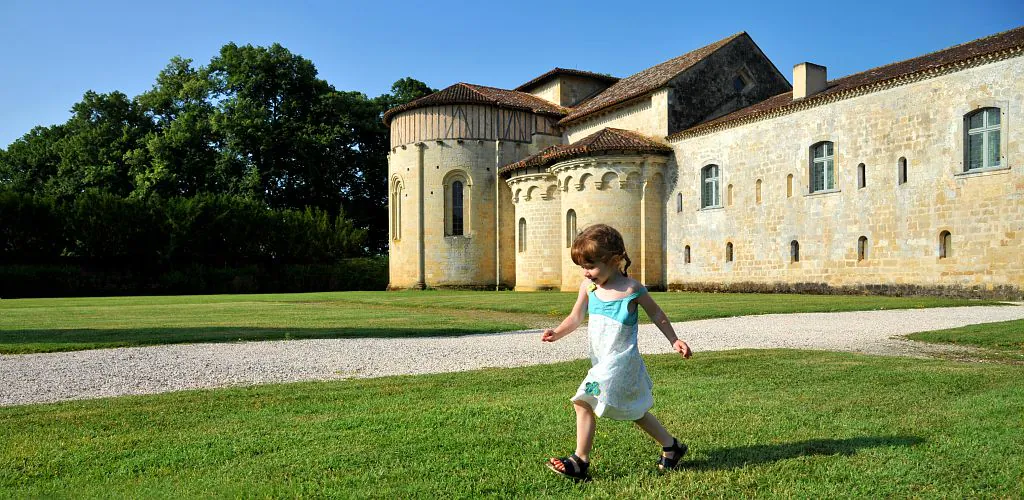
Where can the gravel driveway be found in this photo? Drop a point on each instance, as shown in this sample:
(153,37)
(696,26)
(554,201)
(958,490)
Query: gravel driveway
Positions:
(37,378)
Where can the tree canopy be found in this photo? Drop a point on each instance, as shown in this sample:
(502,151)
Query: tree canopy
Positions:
(255,122)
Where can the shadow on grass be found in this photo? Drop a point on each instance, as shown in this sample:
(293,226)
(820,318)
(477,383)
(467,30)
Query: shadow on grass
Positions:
(35,341)
(742,456)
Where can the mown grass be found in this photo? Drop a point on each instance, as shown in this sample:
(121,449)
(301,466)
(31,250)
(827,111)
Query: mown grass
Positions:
(759,423)
(1003,341)
(49,325)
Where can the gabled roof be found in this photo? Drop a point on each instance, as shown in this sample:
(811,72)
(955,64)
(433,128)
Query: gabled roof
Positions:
(648,80)
(603,141)
(564,71)
(874,79)
(465,93)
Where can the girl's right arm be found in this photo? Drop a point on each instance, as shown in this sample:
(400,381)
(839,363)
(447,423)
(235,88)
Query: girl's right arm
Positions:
(573,320)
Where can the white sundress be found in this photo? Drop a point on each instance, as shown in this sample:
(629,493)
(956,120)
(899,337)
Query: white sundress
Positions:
(617,385)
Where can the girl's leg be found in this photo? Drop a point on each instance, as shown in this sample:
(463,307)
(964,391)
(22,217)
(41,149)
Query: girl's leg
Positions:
(652,426)
(586,423)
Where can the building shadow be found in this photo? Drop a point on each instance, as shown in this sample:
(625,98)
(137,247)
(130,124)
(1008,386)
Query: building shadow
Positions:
(742,456)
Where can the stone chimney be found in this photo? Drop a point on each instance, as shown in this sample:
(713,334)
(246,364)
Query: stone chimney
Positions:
(808,79)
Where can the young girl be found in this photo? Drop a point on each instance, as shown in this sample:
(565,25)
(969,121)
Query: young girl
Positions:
(617,386)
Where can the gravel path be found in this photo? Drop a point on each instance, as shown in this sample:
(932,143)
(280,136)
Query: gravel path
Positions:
(37,378)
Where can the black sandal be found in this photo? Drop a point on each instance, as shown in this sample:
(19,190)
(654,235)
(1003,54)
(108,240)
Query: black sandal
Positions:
(680,449)
(573,467)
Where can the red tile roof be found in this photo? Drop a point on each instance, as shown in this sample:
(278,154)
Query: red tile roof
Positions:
(465,93)
(872,79)
(603,141)
(564,71)
(648,80)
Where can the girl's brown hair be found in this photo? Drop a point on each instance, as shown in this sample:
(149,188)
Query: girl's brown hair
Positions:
(599,243)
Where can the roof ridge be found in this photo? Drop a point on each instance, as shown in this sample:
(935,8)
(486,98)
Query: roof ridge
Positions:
(936,63)
(951,47)
(644,88)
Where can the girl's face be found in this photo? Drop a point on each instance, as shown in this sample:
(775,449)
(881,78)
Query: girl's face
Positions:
(598,272)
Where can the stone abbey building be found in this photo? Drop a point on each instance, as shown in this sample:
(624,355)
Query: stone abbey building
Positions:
(720,175)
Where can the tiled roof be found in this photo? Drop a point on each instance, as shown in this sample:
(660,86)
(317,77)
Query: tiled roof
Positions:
(564,71)
(465,93)
(645,81)
(602,141)
(880,77)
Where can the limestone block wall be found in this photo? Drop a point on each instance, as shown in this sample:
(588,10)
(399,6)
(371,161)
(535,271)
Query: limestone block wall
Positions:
(467,260)
(611,190)
(648,116)
(538,260)
(902,222)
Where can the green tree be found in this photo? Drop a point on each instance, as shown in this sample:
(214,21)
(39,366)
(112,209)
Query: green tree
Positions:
(181,151)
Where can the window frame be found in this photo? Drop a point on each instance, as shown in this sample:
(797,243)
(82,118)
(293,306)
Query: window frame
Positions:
(985,131)
(828,165)
(716,184)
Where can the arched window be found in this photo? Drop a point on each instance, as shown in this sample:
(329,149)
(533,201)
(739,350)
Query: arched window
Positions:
(901,170)
(823,172)
(709,187)
(945,245)
(728,252)
(757,191)
(457,192)
(679,202)
(862,176)
(983,131)
(789,186)
(570,228)
(862,248)
(396,209)
(686,254)
(457,208)
(794,251)
(729,195)
(522,234)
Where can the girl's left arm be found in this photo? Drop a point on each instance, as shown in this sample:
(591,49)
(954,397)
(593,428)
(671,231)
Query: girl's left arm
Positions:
(661,321)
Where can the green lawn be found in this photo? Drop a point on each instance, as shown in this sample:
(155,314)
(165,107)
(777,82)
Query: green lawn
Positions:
(759,423)
(47,325)
(1001,341)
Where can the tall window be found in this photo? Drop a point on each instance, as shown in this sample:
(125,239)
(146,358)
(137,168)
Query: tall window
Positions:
(396,210)
(789,186)
(728,252)
(982,142)
(686,255)
(945,245)
(709,192)
(729,195)
(570,228)
(901,170)
(862,248)
(522,235)
(757,191)
(458,191)
(457,208)
(823,172)
(794,251)
(679,202)
(862,176)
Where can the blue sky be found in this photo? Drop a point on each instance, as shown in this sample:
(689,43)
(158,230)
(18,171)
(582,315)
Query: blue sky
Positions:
(52,52)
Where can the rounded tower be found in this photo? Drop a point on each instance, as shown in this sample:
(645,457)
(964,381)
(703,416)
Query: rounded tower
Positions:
(613,176)
(448,213)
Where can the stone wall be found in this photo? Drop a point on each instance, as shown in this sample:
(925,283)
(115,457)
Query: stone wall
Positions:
(468,260)
(921,122)
(610,190)
(538,260)
(648,116)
